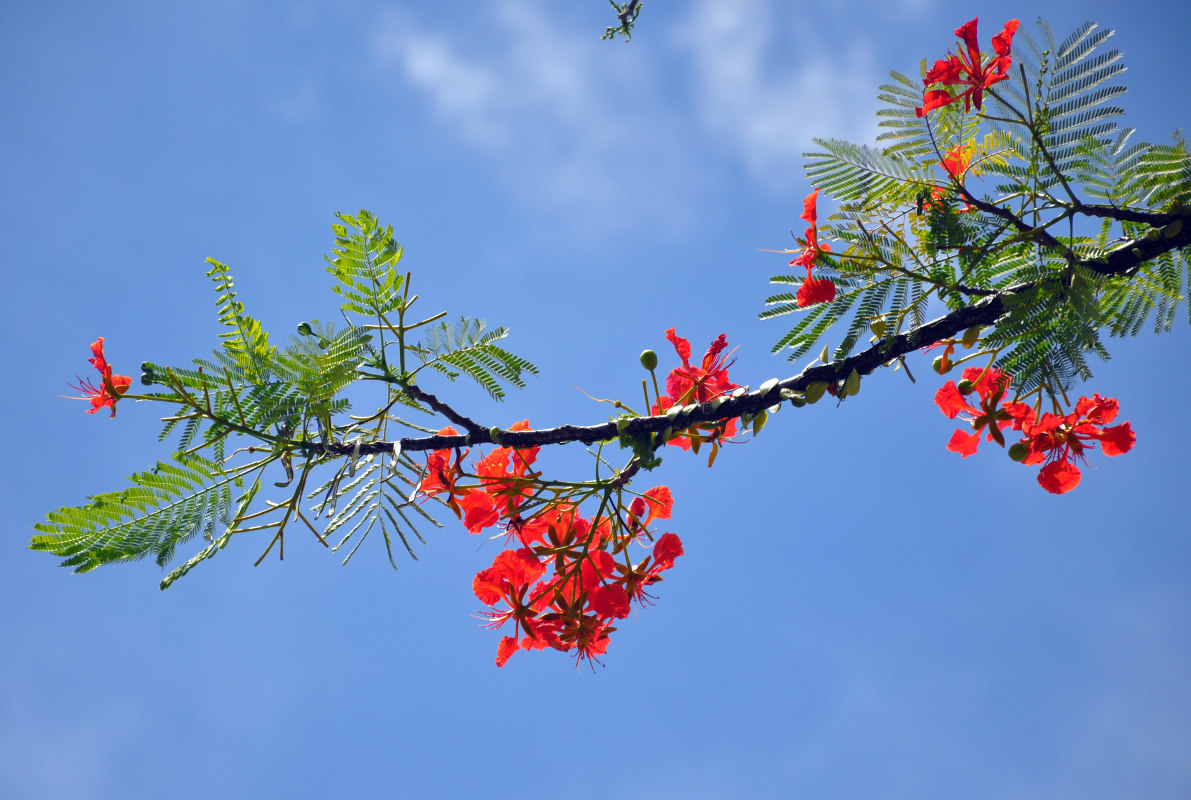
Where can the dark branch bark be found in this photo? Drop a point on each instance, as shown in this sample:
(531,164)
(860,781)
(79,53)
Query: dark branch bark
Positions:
(1122,261)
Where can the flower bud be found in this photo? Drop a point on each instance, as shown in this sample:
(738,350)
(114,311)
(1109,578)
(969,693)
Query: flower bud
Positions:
(965,387)
(852,384)
(649,360)
(941,365)
(304,329)
(971,336)
(878,326)
(798,402)
(1173,229)
(494,432)
(1018,452)
(815,391)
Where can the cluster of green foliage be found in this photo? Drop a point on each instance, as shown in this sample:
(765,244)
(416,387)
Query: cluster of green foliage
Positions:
(1061,180)
(292,403)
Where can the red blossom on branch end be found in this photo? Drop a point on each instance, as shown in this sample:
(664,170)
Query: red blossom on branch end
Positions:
(966,68)
(111,387)
(813,290)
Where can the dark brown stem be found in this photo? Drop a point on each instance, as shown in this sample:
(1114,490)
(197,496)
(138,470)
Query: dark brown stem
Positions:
(1122,261)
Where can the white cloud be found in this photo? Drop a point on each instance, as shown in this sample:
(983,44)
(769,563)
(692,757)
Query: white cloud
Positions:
(570,128)
(766,113)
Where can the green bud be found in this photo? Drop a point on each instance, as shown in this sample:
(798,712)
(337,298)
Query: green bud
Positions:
(148,378)
(494,432)
(938,364)
(1018,451)
(798,402)
(971,336)
(815,391)
(759,422)
(852,384)
(304,329)
(965,387)
(878,326)
(649,360)
(1173,229)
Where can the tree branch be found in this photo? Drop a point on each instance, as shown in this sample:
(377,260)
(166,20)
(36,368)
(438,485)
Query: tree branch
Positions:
(1122,261)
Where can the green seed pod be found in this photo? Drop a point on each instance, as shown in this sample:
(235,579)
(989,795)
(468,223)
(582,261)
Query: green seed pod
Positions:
(965,387)
(1018,451)
(971,336)
(852,384)
(649,360)
(815,391)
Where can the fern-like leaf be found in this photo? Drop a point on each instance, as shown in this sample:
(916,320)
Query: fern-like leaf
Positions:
(162,509)
(466,347)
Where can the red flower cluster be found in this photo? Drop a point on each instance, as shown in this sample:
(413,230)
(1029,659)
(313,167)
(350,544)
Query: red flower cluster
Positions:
(688,384)
(965,68)
(591,583)
(573,609)
(1059,441)
(813,290)
(111,387)
(1055,440)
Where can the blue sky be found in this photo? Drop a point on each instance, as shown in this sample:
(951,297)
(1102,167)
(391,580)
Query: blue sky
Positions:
(859,614)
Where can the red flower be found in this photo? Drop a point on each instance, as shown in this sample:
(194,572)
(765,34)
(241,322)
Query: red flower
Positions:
(667,548)
(509,579)
(442,475)
(990,386)
(965,68)
(111,387)
(656,503)
(505,481)
(690,384)
(813,290)
(955,163)
(1059,441)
